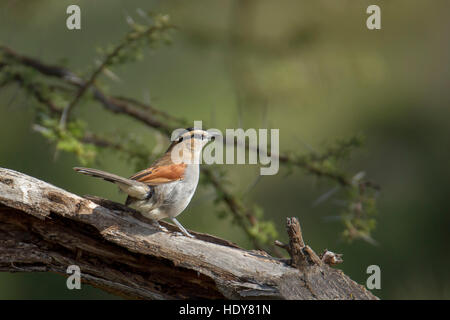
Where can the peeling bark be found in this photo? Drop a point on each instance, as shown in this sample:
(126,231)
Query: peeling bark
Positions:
(45,228)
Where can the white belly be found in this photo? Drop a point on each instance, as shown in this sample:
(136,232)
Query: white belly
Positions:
(170,199)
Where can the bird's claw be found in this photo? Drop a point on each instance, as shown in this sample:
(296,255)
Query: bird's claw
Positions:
(160,227)
(177,233)
(163,228)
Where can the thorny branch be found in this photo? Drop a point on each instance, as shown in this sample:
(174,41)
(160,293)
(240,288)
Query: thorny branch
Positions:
(131,37)
(165,123)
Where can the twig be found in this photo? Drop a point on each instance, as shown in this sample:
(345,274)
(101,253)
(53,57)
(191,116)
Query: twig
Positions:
(106,62)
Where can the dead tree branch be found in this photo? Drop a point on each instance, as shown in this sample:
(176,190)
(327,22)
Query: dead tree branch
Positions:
(45,228)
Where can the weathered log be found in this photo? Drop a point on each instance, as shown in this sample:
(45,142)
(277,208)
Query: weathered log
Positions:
(45,228)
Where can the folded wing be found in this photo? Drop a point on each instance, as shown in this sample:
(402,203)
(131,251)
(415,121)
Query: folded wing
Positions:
(162,174)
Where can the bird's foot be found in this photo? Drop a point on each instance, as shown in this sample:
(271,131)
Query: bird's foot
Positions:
(187,234)
(160,227)
(177,233)
(163,228)
(183,230)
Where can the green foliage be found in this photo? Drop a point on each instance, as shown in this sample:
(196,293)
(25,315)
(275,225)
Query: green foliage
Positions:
(263,231)
(69,139)
(358,219)
(139,37)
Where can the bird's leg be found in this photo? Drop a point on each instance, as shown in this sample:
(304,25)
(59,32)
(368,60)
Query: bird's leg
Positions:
(187,234)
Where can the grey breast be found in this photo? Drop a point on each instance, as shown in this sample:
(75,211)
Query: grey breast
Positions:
(179,194)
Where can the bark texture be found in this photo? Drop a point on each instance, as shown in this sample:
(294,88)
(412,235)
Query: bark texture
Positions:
(45,228)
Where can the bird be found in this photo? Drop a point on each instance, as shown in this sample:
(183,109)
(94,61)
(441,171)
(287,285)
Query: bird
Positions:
(165,189)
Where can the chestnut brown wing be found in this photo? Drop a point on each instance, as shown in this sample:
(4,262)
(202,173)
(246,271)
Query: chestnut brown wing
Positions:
(160,174)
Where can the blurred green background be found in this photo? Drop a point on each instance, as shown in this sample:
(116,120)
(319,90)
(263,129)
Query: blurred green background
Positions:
(311,69)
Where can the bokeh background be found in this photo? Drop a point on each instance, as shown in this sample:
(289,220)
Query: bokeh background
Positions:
(311,69)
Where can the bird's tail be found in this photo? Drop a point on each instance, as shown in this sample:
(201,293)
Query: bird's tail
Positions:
(104,175)
(133,188)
